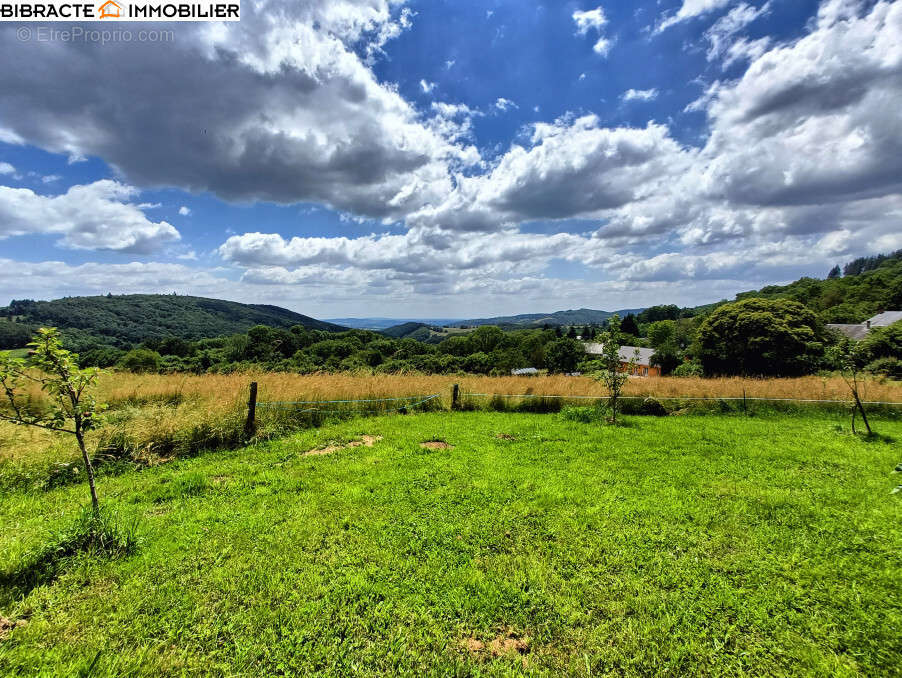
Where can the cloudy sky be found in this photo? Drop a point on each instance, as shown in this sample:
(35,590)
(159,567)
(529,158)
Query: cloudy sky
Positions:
(432,158)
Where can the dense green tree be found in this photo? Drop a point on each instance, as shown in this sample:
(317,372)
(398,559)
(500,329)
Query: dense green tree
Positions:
(104,356)
(174,346)
(564,355)
(485,339)
(661,332)
(834,273)
(140,360)
(458,345)
(662,335)
(656,313)
(533,347)
(14,334)
(235,348)
(883,342)
(478,363)
(508,359)
(628,326)
(760,337)
(407,348)
(337,349)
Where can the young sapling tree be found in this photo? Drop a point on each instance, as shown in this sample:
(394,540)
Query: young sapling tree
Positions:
(849,357)
(613,374)
(72,410)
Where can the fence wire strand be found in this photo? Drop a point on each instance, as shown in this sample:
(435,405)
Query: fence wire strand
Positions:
(288,404)
(731,398)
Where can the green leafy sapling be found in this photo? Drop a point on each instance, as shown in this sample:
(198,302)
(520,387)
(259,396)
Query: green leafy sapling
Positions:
(72,409)
(613,374)
(850,356)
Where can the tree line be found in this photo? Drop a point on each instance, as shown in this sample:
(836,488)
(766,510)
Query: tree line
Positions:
(775,331)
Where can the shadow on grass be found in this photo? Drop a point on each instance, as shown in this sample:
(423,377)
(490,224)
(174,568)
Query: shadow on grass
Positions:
(101,535)
(874,437)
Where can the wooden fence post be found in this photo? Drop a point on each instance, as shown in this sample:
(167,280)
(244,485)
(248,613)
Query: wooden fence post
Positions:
(455,395)
(250,425)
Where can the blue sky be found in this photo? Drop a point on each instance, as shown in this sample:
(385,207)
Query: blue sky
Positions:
(361,157)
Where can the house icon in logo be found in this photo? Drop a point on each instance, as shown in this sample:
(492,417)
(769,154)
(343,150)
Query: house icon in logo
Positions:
(110,10)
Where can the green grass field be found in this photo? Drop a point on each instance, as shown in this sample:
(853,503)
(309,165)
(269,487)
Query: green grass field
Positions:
(704,546)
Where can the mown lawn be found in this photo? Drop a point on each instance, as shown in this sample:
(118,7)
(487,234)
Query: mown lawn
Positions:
(535,545)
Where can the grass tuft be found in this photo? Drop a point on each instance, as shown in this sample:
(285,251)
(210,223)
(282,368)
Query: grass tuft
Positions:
(96,535)
(173,487)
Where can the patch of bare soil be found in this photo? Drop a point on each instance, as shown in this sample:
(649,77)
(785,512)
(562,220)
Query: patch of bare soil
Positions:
(7,625)
(473,646)
(436,445)
(365,441)
(502,646)
(505,644)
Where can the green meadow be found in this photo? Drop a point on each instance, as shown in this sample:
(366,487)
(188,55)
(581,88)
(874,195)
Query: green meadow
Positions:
(524,545)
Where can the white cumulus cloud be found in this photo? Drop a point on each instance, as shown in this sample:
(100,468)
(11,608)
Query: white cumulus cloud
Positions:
(640,95)
(95,216)
(593,20)
(691,9)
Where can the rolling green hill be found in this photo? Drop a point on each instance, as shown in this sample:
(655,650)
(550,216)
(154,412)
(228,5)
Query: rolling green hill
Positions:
(125,320)
(405,330)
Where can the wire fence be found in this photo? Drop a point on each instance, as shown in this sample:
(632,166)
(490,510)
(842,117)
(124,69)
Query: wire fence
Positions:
(677,398)
(300,413)
(367,404)
(538,403)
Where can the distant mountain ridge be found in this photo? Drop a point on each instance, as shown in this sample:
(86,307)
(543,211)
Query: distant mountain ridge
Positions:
(125,320)
(580,316)
(402,326)
(385,323)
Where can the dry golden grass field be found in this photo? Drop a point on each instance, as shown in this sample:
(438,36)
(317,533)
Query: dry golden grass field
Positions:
(152,418)
(223,390)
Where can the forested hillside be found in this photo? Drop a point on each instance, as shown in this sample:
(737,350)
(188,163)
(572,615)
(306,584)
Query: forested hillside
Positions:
(866,287)
(125,320)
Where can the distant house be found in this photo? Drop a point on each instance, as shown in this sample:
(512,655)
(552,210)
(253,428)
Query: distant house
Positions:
(641,357)
(525,372)
(860,331)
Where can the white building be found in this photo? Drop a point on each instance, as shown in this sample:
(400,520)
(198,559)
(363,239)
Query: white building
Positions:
(860,331)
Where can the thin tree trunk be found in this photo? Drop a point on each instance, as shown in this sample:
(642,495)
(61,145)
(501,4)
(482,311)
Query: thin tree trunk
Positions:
(89,469)
(861,409)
